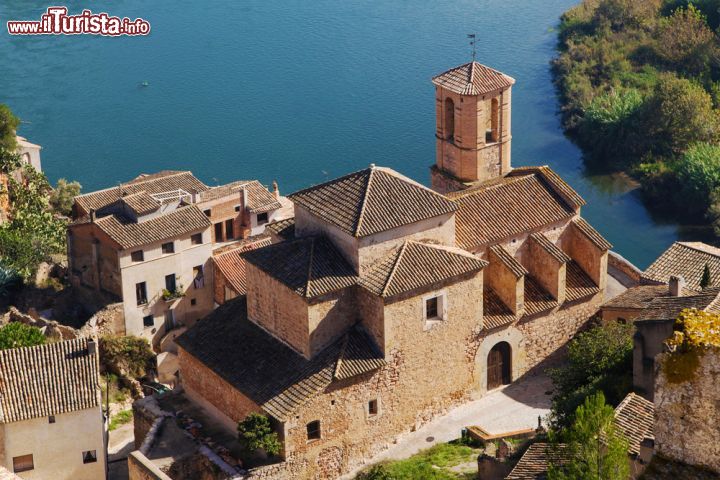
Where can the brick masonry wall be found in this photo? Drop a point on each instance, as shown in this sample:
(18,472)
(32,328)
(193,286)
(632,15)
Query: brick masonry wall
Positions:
(687,413)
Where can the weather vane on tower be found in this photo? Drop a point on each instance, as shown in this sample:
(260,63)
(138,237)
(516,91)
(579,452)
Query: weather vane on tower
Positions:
(471,36)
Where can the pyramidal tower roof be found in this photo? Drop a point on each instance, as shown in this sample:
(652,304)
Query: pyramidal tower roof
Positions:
(473,78)
(372,200)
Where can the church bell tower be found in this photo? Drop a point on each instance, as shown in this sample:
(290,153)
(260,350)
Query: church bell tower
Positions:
(472,126)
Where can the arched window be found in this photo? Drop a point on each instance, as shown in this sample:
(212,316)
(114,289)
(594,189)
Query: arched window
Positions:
(26,158)
(449,119)
(492,134)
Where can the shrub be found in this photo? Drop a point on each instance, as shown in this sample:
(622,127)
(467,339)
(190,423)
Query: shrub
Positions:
(256,433)
(376,472)
(599,360)
(62,197)
(10,280)
(698,173)
(16,334)
(131,356)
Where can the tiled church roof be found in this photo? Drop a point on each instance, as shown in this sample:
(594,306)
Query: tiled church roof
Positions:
(473,78)
(415,265)
(48,380)
(552,249)
(505,207)
(371,201)
(591,234)
(232,266)
(266,370)
(310,266)
(686,259)
(508,260)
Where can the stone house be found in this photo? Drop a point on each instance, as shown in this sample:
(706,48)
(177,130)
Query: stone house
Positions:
(51,419)
(149,242)
(387,302)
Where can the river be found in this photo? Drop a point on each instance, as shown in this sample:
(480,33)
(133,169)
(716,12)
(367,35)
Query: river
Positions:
(294,90)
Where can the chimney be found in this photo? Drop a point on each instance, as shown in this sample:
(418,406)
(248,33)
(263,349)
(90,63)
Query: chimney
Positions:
(243,198)
(276,190)
(92,347)
(676,285)
(92,215)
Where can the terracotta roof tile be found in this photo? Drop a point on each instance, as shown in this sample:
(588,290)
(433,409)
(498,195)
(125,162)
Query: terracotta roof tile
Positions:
(686,259)
(668,308)
(635,418)
(495,313)
(259,198)
(283,228)
(593,235)
(232,266)
(534,463)
(160,182)
(141,203)
(473,78)
(537,299)
(508,260)
(310,266)
(167,226)
(577,283)
(371,201)
(415,265)
(48,380)
(266,370)
(552,178)
(506,207)
(637,297)
(550,247)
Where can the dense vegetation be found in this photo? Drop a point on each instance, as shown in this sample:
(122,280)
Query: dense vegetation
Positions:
(35,228)
(255,433)
(639,83)
(595,450)
(599,361)
(16,334)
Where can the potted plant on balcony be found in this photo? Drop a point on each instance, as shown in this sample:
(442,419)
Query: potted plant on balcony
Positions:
(171,295)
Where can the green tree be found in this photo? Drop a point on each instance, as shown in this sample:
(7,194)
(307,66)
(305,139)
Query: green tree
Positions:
(698,175)
(595,449)
(685,42)
(256,433)
(62,197)
(16,334)
(8,126)
(680,113)
(599,360)
(706,280)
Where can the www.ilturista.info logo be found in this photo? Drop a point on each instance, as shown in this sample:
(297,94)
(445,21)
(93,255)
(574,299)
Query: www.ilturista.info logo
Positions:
(56,21)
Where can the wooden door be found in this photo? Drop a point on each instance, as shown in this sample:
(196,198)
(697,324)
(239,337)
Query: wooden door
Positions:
(498,366)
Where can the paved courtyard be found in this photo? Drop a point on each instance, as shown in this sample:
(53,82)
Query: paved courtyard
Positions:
(511,408)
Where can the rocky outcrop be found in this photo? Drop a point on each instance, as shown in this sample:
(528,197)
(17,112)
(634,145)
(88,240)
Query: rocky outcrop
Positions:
(687,408)
(52,329)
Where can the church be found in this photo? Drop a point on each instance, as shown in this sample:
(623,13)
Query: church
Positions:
(387,302)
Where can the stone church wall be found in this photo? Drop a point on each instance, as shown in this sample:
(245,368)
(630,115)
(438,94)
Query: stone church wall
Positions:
(687,410)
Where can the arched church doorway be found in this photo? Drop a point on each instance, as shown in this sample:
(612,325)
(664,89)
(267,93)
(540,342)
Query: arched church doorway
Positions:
(499,365)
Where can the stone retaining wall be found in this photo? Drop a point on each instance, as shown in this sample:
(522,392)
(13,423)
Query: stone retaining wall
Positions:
(687,412)
(141,468)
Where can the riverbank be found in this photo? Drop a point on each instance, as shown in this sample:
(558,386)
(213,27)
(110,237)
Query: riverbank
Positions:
(639,90)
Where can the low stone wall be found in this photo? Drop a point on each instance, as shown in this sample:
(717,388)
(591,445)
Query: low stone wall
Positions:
(141,468)
(687,410)
(50,328)
(624,266)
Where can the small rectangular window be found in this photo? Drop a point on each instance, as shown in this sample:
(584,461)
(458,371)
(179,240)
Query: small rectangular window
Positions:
(207,212)
(51,419)
(237,208)
(431,308)
(148,321)
(313,430)
(168,247)
(262,218)
(373,407)
(198,276)
(23,463)
(219,232)
(90,456)
(170,283)
(193,302)
(137,256)
(196,239)
(141,293)
(229,230)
